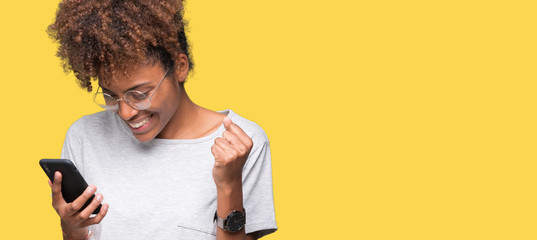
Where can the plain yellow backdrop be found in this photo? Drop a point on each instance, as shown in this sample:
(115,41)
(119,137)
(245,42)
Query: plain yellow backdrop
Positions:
(387,119)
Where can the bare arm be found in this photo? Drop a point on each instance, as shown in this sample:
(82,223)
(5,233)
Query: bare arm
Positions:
(231,152)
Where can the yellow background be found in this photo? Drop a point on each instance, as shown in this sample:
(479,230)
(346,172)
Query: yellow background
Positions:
(387,119)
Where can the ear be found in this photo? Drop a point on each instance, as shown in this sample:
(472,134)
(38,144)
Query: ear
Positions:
(181,71)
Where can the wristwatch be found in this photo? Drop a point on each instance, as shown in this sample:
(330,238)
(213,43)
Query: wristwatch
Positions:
(234,221)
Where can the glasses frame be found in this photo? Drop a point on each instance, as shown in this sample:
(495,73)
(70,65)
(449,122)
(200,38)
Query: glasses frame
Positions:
(126,100)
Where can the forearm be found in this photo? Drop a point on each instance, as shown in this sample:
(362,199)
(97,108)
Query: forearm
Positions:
(229,199)
(74,234)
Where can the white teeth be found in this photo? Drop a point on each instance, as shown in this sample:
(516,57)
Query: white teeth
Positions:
(139,124)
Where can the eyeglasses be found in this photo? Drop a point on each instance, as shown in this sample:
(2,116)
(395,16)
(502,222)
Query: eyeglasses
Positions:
(134,98)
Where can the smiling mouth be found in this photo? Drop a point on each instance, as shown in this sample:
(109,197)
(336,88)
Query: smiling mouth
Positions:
(140,123)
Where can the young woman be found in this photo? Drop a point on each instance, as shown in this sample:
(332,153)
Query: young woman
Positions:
(165,167)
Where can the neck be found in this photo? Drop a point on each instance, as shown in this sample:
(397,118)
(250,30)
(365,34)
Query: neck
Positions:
(183,122)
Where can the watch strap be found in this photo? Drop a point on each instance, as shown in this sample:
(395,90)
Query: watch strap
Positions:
(219,221)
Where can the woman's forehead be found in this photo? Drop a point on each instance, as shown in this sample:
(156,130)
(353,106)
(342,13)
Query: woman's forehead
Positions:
(131,76)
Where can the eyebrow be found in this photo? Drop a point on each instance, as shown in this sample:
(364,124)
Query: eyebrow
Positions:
(132,88)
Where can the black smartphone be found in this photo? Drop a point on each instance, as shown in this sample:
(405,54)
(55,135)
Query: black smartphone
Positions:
(73,184)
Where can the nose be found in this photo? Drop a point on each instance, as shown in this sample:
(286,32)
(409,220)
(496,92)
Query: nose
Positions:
(125,111)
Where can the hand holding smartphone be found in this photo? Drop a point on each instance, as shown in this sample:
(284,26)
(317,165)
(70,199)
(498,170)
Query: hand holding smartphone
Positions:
(72,185)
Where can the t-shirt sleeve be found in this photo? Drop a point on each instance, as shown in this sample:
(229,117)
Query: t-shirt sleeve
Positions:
(257,189)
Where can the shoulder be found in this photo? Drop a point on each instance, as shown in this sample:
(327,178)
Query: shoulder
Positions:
(252,129)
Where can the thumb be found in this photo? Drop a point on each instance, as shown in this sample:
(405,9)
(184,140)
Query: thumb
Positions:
(227,122)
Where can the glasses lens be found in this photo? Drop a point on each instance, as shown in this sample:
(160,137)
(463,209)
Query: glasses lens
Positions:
(105,101)
(137,100)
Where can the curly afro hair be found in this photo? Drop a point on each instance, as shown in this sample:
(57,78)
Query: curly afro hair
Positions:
(104,35)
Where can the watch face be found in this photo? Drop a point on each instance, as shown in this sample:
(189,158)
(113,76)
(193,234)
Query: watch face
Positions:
(235,221)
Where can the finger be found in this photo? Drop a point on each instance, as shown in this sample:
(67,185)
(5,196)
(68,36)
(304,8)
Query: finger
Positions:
(225,145)
(98,218)
(57,197)
(234,140)
(50,183)
(235,129)
(85,214)
(81,200)
(217,151)
(227,121)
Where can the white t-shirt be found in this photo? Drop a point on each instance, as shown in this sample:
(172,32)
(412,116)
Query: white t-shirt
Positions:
(163,188)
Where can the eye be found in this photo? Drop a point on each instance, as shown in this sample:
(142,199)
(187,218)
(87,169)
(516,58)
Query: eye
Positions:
(109,95)
(137,96)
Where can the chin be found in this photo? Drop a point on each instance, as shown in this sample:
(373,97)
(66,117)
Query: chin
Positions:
(144,137)
(146,130)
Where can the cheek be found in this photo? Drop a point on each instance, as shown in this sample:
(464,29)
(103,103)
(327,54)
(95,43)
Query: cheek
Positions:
(167,105)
